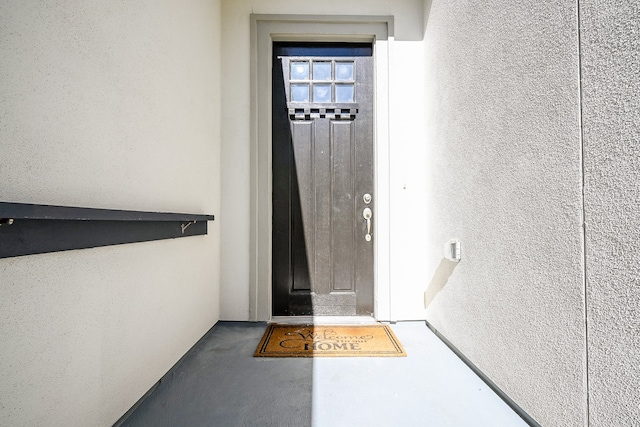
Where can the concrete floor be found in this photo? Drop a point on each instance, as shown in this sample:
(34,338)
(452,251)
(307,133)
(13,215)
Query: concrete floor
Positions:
(220,383)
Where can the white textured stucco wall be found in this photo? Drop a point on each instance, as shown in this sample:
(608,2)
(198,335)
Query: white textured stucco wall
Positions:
(610,40)
(112,105)
(503,137)
(407,150)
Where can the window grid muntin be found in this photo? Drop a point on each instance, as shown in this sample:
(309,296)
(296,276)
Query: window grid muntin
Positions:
(305,67)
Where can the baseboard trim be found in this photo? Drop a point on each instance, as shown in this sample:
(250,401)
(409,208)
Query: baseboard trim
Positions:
(153,388)
(513,405)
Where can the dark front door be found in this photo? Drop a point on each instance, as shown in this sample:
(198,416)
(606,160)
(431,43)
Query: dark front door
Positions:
(323,200)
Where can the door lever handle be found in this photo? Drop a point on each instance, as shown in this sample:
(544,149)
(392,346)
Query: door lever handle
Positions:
(366,214)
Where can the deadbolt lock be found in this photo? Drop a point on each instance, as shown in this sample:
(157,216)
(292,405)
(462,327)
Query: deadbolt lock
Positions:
(367,198)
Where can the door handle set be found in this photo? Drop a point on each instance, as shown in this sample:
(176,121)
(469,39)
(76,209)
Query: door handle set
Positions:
(366,214)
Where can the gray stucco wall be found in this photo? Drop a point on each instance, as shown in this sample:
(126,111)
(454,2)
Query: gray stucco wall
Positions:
(113,105)
(610,41)
(503,134)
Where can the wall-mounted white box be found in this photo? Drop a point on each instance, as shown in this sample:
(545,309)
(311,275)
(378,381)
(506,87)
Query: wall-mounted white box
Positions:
(452,250)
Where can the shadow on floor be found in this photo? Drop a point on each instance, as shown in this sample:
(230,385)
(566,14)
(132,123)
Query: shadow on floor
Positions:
(220,383)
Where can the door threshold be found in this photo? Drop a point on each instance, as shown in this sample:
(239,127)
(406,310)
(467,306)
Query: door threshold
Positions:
(324,320)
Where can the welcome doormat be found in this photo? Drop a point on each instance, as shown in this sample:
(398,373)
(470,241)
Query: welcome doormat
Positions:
(329,341)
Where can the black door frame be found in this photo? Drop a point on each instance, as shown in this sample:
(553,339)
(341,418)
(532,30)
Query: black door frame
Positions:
(293,252)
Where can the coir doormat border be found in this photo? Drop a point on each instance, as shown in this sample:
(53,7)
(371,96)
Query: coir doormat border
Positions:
(286,340)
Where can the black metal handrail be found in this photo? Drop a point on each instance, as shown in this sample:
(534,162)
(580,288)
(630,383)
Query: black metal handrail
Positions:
(27,229)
